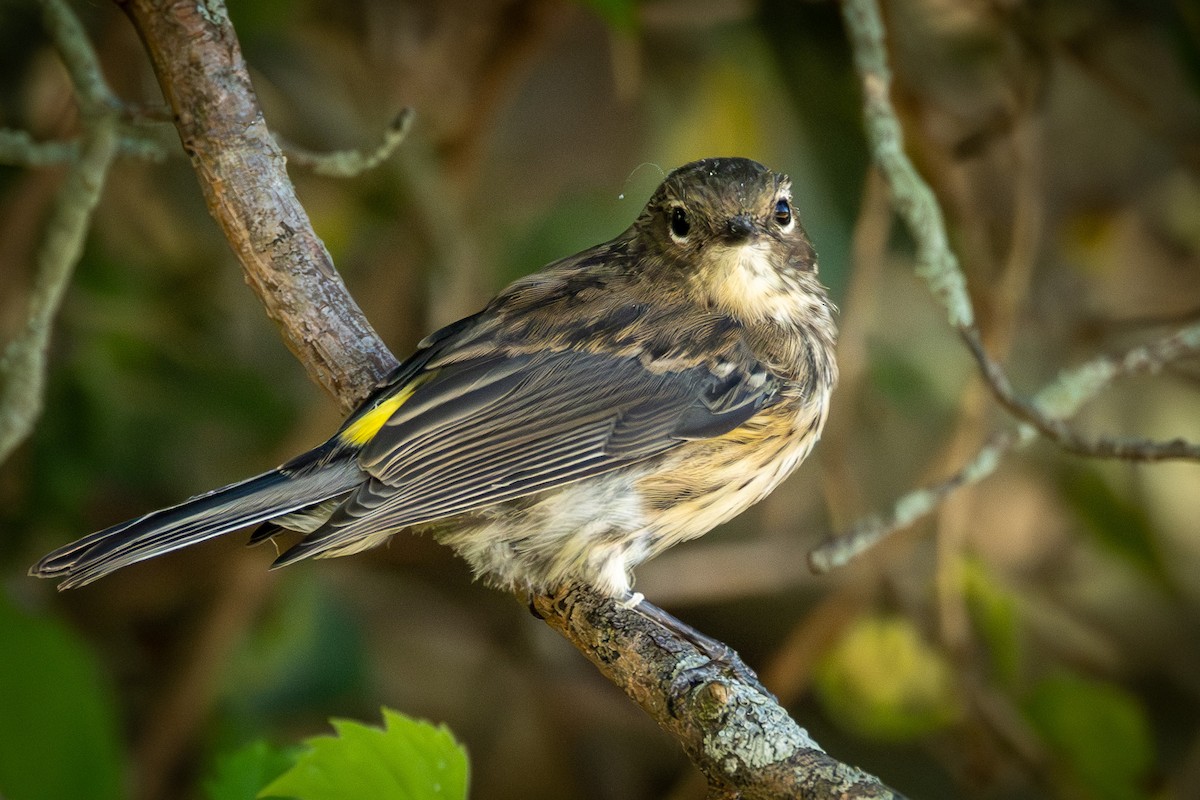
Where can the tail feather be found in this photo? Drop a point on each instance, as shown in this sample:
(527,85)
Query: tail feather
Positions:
(221,511)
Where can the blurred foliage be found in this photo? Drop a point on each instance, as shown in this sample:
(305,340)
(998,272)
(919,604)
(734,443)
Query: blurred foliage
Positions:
(1037,637)
(59,734)
(621,15)
(881,680)
(1121,525)
(1100,732)
(243,773)
(307,650)
(996,615)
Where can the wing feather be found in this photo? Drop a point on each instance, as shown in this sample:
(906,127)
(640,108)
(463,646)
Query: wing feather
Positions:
(495,428)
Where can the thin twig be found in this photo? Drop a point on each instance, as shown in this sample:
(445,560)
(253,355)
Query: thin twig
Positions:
(349,163)
(19,149)
(938,265)
(1055,427)
(23,361)
(1047,413)
(868,532)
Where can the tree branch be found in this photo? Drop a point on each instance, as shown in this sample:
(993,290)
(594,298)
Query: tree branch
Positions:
(19,149)
(23,361)
(199,64)
(348,163)
(1055,428)
(1057,402)
(739,736)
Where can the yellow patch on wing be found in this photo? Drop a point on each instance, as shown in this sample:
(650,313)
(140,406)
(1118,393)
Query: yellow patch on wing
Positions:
(363,429)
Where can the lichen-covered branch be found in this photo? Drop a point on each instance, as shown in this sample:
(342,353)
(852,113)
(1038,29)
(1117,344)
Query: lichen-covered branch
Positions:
(912,506)
(911,195)
(740,737)
(23,361)
(19,149)
(199,64)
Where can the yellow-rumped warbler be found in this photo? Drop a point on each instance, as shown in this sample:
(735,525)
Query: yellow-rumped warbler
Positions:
(595,413)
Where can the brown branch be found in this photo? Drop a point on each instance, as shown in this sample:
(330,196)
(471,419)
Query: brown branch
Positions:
(348,163)
(1055,428)
(743,741)
(738,735)
(203,76)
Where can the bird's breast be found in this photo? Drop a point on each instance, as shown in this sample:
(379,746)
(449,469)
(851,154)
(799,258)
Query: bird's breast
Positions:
(705,483)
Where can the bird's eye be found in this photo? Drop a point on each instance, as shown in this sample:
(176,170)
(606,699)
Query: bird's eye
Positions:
(680,225)
(783,213)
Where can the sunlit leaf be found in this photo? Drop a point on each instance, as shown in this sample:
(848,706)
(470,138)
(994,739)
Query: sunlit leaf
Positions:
(406,760)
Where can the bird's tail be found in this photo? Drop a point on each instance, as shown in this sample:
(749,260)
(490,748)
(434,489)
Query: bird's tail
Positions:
(238,505)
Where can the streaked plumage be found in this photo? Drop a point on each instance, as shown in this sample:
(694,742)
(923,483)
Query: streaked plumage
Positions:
(594,413)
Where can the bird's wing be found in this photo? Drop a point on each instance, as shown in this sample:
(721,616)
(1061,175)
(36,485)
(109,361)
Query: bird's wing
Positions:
(495,428)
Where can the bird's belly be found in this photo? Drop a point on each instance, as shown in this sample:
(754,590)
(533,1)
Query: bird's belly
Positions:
(710,482)
(585,531)
(596,530)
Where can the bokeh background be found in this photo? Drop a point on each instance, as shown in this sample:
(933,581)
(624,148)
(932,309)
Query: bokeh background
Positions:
(1037,637)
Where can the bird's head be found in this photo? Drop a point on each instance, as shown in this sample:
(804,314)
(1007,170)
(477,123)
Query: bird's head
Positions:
(728,229)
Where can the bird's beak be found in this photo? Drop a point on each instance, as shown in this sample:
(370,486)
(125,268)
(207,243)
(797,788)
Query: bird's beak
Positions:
(739,228)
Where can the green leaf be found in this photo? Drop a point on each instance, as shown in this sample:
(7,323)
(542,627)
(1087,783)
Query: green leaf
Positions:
(407,760)
(58,728)
(1098,731)
(1118,525)
(242,774)
(881,680)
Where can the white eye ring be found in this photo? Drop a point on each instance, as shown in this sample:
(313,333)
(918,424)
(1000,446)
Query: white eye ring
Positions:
(678,224)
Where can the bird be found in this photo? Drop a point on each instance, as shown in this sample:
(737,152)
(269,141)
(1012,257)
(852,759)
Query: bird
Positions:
(617,402)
